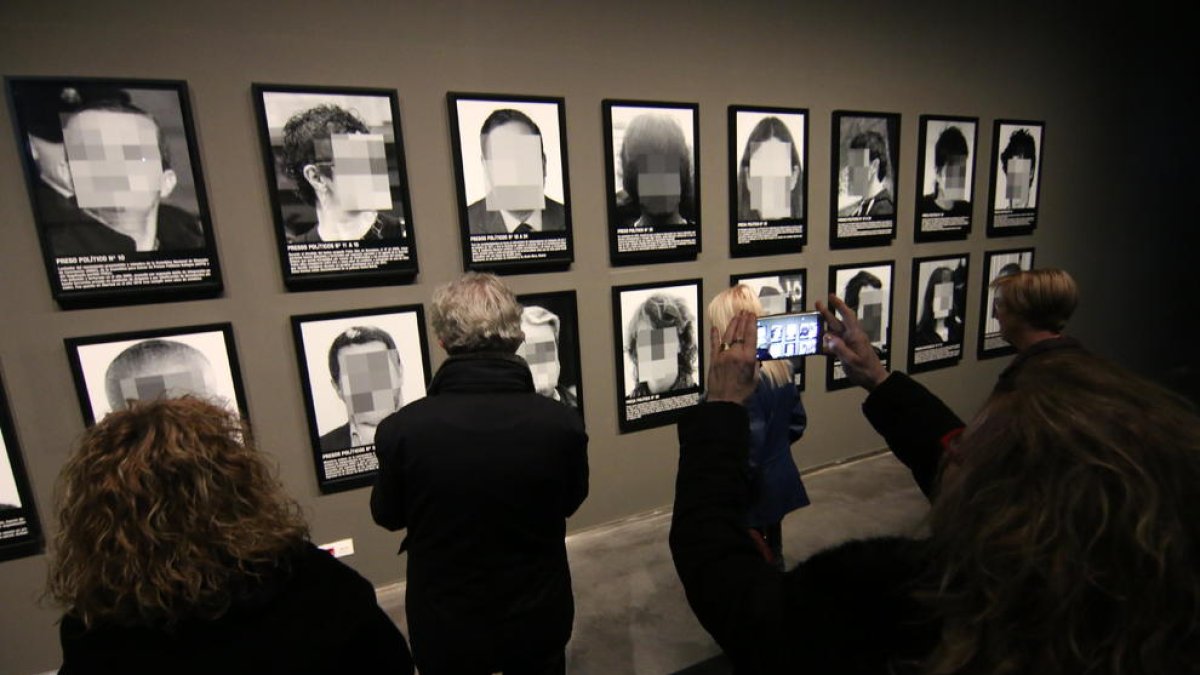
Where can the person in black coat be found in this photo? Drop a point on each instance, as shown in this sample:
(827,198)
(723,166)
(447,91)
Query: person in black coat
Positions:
(1064,528)
(483,473)
(177,552)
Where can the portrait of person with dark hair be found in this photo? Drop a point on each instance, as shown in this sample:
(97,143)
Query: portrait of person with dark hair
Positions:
(660,342)
(340,169)
(865,180)
(368,376)
(656,171)
(998,265)
(868,177)
(1018,149)
(514,169)
(114,371)
(868,289)
(770,173)
(947,180)
(1019,166)
(937,319)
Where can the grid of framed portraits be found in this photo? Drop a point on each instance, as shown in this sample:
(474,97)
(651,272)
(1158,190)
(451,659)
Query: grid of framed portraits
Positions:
(112,370)
(20,531)
(1017,154)
(356,368)
(510,164)
(946,160)
(339,191)
(937,322)
(652,162)
(868,290)
(768,154)
(864,177)
(118,195)
(658,331)
(550,322)
(998,264)
(781,292)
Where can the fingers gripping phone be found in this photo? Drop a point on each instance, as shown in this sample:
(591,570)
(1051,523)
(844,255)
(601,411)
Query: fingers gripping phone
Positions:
(782,336)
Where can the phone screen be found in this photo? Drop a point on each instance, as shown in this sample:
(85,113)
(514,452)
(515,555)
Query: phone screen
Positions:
(785,335)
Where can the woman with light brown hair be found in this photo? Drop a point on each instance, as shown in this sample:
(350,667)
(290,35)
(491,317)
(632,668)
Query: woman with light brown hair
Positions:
(777,419)
(177,551)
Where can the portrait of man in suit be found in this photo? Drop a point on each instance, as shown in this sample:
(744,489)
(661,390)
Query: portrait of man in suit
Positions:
(366,372)
(514,171)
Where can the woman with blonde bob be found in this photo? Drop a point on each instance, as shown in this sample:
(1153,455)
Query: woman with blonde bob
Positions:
(178,552)
(777,419)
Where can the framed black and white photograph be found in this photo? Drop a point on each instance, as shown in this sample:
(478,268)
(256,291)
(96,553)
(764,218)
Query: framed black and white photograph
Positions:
(356,368)
(998,264)
(657,332)
(937,318)
(781,292)
(865,156)
(652,162)
(510,164)
(20,531)
(113,370)
(118,198)
(768,180)
(946,160)
(551,347)
(335,170)
(867,289)
(1016,176)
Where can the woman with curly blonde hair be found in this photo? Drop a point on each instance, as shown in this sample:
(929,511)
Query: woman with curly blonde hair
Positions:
(177,551)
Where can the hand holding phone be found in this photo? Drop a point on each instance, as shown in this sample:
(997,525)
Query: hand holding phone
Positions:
(782,336)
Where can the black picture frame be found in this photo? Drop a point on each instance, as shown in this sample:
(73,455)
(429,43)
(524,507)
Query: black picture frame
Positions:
(841,277)
(490,242)
(639,406)
(1015,214)
(313,259)
(209,350)
(858,219)
(338,462)
(74,200)
(567,385)
(787,300)
(953,182)
(995,264)
(779,224)
(939,283)
(20,528)
(634,238)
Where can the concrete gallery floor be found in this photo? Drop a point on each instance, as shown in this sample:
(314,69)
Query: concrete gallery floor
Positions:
(630,612)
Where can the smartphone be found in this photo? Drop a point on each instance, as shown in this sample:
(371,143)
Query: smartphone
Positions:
(782,336)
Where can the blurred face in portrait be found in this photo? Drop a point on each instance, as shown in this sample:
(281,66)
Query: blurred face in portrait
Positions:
(514,168)
(540,351)
(158,369)
(1018,173)
(771,178)
(659,184)
(354,178)
(952,178)
(657,362)
(115,161)
(370,385)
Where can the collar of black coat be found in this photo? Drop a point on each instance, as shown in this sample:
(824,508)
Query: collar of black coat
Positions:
(482,372)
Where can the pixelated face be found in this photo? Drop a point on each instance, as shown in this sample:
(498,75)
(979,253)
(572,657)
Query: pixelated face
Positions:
(870,314)
(1019,175)
(858,162)
(773,304)
(541,353)
(167,378)
(770,180)
(115,161)
(794,290)
(370,382)
(659,184)
(943,299)
(514,169)
(360,172)
(657,356)
(953,177)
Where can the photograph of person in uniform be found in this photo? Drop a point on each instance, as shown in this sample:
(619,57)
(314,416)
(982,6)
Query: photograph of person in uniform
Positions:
(337,174)
(1017,163)
(551,345)
(770,175)
(112,168)
(946,175)
(941,290)
(660,348)
(511,162)
(113,370)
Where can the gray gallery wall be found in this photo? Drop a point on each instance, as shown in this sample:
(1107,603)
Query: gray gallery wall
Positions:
(1101,197)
